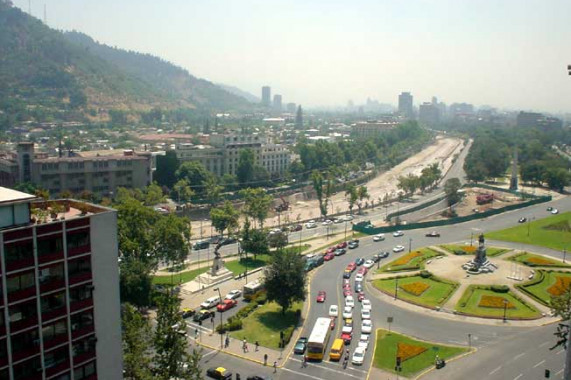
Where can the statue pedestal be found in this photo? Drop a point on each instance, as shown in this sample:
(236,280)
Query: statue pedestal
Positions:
(217,273)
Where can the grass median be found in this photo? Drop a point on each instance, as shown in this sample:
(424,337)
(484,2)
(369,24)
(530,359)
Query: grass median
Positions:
(414,260)
(481,301)
(179,278)
(546,284)
(427,292)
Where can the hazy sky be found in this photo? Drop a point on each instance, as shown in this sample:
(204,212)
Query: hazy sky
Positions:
(505,53)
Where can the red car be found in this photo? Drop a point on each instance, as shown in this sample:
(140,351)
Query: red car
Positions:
(363,270)
(332,324)
(346,282)
(347,337)
(360,296)
(329,256)
(331,250)
(351,267)
(321,295)
(343,244)
(347,292)
(226,304)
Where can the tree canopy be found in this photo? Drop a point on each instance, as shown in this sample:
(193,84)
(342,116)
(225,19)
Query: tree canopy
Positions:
(285,279)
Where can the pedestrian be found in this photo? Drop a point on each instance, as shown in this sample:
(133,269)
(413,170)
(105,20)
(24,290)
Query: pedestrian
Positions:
(244,345)
(257,346)
(275,366)
(195,333)
(227,341)
(304,362)
(265,360)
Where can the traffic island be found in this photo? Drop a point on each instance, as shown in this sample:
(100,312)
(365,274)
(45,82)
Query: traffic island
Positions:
(546,284)
(407,356)
(531,260)
(411,261)
(459,249)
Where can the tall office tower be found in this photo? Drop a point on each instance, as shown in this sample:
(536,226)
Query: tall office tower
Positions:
(59,304)
(405,104)
(278,102)
(266,96)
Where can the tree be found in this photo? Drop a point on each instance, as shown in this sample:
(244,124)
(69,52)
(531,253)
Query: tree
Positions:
(136,343)
(245,169)
(167,166)
(153,195)
(352,195)
(285,279)
(362,193)
(195,173)
(172,235)
(135,282)
(213,191)
(556,178)
(224,217)
(451,187)
(255,242)
(183,190)
(317,181)
(256,204)
(299,118)
(171,358)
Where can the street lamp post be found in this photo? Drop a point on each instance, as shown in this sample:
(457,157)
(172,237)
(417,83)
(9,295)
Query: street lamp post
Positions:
(409,245)
(220,297)
(505,309)
(469,340)
(564,254)
(471,238)
(396,287)
(345,229)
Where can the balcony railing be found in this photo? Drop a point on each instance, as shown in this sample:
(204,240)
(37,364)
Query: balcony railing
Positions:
(52,283)
(78,250)
(57,368)
(83,357)
(48,257)
(24,323)
(55,341)
(22,294)
(20,264)
(82,331)
(75,278)
(78,305)
(53,313)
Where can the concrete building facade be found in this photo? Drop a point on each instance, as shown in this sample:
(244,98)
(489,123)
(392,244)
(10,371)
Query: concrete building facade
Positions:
(266,96)
(406,104)
(366,129)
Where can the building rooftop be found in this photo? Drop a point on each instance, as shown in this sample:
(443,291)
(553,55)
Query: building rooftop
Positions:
(12,196)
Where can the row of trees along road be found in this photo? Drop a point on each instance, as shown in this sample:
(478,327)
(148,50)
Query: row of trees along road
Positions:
(428,178)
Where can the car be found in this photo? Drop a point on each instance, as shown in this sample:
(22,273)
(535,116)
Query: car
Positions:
(351,267)
(331,249)
(555,211)
(347,337)
(337,220)
(353,244)
(187,313)
(369,263)
(398,248)
(347,274)
(346,283)
(359,355)
(201,245)
(343,244)
(347,292)
(522,220)
(360,296)
(327,222)
(348,322)
(210,302)
(363,270)
(329,256)
(364,341)
(379,237)
(340,251)
(376,257)
(384,255)
(219,373)
(366,326)
(332,323)
(365,314)
(347,312)
(432,234)
(366,304)
(228,240)
(333,311)
(216,239)
(311,224)
(233,294)
(347,218)
(258,377)
(347,328)
(398,233)
(550,208)
(358,286)
(300,346)
(203,314)
(321,296)
(349,301)
(295,228)
(359,277)
(226,305)
(359,261)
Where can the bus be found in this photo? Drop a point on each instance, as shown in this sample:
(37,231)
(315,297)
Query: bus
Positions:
(319,338)
(252,288)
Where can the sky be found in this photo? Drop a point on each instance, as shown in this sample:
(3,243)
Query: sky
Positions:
(508,54)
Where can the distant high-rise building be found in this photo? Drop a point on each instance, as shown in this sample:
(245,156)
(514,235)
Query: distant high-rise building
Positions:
(532,119)
(291,107)
(429,113)
(405,104)
(266,95)
(299,118)
(278,102)
(461,109)
(434,100)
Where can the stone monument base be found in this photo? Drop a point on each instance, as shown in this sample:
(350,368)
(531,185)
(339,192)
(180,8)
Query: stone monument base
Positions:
(208,278)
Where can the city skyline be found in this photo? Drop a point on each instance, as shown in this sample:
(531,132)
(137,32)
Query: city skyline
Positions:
(509,55)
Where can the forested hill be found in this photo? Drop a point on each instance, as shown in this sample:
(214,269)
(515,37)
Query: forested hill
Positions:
(44,69)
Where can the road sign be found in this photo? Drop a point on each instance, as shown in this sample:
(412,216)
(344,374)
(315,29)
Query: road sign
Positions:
(390,319)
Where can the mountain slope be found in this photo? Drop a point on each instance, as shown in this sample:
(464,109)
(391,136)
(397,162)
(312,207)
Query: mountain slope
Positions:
(239,92)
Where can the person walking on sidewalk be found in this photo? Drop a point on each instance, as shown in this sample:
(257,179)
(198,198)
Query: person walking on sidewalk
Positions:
(227,341)
(304,361)
(265,360)
(257,346)
(275,366)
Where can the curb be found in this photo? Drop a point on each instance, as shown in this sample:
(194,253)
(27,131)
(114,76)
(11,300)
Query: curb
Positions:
(231,353)
(473,350)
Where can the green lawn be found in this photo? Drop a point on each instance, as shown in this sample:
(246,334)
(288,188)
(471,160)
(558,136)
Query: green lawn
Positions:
(264,324)
(543,280)
(532,260)
(416,263)
(239,266)
(490,251)
(469,304)
(436,295)
(553,232)
(386,352)
(179,278)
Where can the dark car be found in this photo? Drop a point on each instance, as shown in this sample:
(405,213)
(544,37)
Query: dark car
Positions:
(376,258)
(384,255)
(256,377)
(550,208)
(216,239)
(202,315)
(226,241)
(347,274)
(433,234)
(186,313)
(300,346)
(340,251)
(219,373)
(359,261)
(522,220)
(201,245)
(297,227)
(358,287)
(353,244)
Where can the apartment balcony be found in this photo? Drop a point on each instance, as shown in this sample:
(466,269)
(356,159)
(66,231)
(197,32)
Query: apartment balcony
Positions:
(26,353)
(52,284)
(82,304)
(83,357)
(55,341)
(21,294)
(49,257)
(54,313)
(20,264)
(76,278)
(22,324)
(56,369)
(78,250)
(85,330)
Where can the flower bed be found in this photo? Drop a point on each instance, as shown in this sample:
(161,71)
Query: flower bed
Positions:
(561,285)
(495,302)
(539,261)
(406,258)
(408,351)
(415,288)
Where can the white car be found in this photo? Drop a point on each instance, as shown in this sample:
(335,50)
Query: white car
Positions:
(365,314)
(347,329)
(347,218)
(333,311)
(364,341)
(555,211)
(366,326)
(366,304)
(327,222)
(379,237)
(347,312)
(398,233)
(369,263)
(349,301)
(398,248)
(210,302)
(233,294)
(359,356)
(311,224)
(359,277)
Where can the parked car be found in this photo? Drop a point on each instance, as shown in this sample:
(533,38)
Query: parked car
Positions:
(522,220)
(337,220)
(327,222)
(331,249)
(311,224)
(187,313)
(215,239)
(219,373)
(210,302)
(321,296)
(398,248)
(347,218)
(359,355)
(366,326)
(398,233)
(353,244)
(368,264)
(433,234)
(226,305)
(300,346)
(343,244)
(333,310)
(228,240)
(201,245)
(555,211)
(340,251)
(295,228)
(359,261)
(329,256)
(202,315)
(233,294)
(379,237)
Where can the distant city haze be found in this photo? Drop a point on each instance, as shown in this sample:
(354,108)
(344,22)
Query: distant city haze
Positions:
(508,53)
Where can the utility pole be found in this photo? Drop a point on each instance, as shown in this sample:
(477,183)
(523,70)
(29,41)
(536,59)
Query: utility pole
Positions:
(220,298)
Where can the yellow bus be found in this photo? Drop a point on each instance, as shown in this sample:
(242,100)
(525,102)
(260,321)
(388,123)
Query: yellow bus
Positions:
(336,350)
(318,339)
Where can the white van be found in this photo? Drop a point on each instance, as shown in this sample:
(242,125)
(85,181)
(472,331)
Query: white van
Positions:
(210,302)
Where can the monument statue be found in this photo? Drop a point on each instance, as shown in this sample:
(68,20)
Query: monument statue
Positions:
(217,263)
(480,263)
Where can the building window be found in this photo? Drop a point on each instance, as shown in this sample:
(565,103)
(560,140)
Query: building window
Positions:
(22,311)
(25,340)
(84,371)
(77,239)
(80,266)
(80,293)
(81,320)
(19,251)
(53,302)
(84,346)
(53,273)
(54,330)
(20,282)
(50,245)
(27,369)
(53,358)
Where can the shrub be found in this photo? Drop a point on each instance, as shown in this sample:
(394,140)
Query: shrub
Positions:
(287,335)
(500,288)
(425,274)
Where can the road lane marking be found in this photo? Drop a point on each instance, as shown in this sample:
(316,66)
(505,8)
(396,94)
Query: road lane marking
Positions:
(496,370)
(332,364)
(518,376)
(210,353)
(543,344)
(302,374)
(538,364)
(518,356)
(344,373)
